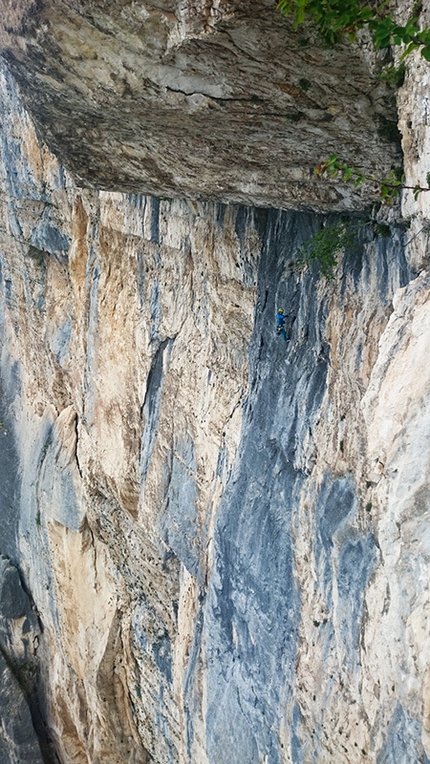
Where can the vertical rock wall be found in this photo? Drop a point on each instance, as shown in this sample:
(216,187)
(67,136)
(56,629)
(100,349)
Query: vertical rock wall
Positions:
(225,535)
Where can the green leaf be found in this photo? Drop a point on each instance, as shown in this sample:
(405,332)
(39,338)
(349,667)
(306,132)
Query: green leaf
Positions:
(381,40)
(412,46)
(425,52)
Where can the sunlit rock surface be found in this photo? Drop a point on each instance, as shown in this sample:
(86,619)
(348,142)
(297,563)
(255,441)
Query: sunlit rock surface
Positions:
(205,100)
(225,536)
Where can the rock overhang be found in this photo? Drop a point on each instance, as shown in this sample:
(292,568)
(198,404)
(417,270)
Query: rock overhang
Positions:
(216,101)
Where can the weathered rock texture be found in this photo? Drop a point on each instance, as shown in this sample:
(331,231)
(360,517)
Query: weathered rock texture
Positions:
(19,639)
(207,100)
(225,536)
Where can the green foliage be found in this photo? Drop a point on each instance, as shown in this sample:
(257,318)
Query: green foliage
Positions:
(331,16)
(383,230)
(324,247)
(25,675)
(335,17)
(394,75)
(37,255)
(294,116)
(388,188)
(388,130)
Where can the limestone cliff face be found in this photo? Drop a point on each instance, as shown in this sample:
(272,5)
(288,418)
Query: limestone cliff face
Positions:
(224,537)
(209,100)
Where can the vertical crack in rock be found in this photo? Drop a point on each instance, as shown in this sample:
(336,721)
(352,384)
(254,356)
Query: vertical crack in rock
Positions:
(76,423)
(152,400)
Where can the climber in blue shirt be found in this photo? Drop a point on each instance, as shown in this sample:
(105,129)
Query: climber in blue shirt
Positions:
(280,324)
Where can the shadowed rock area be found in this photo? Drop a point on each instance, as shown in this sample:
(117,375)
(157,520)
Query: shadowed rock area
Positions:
(19,636)
(18,742)
(9,486)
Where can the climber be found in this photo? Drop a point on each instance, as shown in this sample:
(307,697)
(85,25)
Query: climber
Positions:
(280,324)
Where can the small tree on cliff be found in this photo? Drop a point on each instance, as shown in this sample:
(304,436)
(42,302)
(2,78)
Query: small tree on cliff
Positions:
(339,17)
